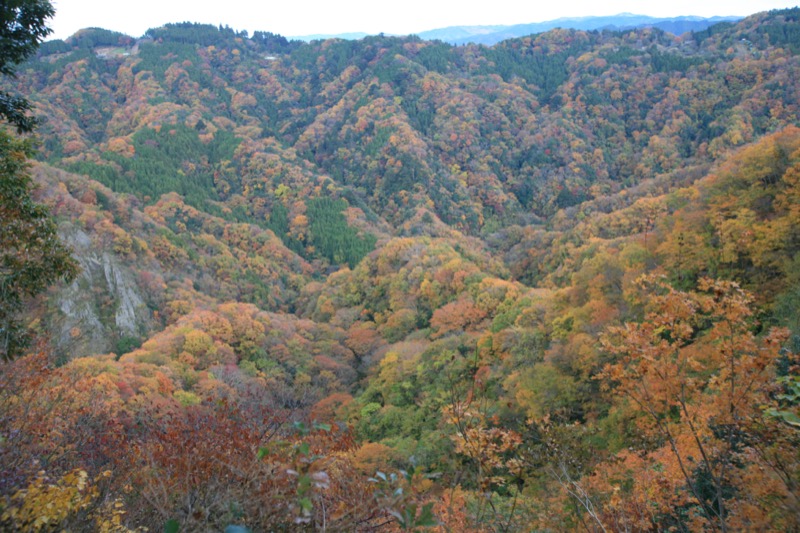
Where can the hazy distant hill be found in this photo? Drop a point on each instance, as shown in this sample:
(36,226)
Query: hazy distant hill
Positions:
(623,21)
(490,35)
(353,36)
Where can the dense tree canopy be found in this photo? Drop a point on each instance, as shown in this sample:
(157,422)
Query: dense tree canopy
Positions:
(390,283)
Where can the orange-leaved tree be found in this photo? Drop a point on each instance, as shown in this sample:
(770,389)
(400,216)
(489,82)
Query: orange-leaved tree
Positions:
(695,375)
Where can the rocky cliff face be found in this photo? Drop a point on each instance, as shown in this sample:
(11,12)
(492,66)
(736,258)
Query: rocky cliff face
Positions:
(103,308)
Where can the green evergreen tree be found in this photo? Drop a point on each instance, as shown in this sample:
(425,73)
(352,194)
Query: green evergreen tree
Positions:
(31,256)
(22,28)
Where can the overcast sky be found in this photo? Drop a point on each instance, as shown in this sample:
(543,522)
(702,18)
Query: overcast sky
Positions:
(304,17)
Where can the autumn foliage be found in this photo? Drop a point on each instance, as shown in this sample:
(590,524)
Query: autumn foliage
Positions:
(391,284)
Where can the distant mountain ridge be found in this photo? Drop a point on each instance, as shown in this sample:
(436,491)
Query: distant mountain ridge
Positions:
(352,36)
(493,34)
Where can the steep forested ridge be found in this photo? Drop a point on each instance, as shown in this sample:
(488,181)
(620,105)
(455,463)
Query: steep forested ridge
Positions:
(392,283)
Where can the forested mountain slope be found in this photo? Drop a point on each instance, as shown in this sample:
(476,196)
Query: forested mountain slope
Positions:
(488,135)
(553,282)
